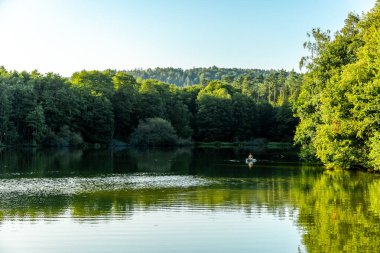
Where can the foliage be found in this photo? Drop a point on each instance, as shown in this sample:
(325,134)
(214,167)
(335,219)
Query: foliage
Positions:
(105,107)
(5,114)
(154,132)
(374,155)
(35,120)
(64,138)
(96,120)
(188,77)
(215,112)
(124,102)
(338,105)
(98,83)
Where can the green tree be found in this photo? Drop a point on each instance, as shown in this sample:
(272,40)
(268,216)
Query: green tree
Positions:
(96,118)
(36,122)
(154,132)
(178,114)
(215,112)
(267,120)
(57,99)
(124,103)
(151,103)
(23,101)
(285,123)
(7,131)
(245,123)
(338,103)
(96,82)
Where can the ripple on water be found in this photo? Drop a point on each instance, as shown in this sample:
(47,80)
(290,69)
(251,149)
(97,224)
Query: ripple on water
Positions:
(76,185)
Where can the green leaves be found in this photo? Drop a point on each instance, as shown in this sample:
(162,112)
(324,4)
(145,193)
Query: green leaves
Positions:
(374,155)
(7,131)
(36,121)
(215,112)
(103,106)
(339,101)
(154,132)
(98,83)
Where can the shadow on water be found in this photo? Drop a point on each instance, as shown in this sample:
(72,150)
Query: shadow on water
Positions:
(227,162)
(337,211)
(66,162)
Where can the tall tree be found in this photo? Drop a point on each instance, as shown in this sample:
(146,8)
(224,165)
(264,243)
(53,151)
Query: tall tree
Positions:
(96,82)
(124,103)
(36,122)
(215,112)
(96,118)
(338,101)
(7,133)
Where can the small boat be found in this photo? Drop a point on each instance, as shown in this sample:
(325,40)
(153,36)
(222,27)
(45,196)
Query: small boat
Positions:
(250,160)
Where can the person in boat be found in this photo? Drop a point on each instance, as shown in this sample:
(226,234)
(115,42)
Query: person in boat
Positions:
(250,160)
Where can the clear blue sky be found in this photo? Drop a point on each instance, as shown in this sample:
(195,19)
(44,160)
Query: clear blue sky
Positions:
(64,36)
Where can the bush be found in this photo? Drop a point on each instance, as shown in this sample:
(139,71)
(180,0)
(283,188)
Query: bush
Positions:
(154,132)
(374,155)
(307,154)
(64,138)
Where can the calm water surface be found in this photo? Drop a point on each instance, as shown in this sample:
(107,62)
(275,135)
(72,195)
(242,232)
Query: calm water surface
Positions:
(182,200)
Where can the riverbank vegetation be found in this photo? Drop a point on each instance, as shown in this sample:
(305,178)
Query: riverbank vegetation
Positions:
(110,106)
(335,103)
(339,100)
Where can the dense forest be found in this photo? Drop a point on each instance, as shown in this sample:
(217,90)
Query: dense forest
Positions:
(110,107)
(339,100)
(335,104)
(186,77)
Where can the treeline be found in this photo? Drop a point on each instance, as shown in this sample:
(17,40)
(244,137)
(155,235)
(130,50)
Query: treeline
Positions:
(110,106)
(187,77)
(339,103)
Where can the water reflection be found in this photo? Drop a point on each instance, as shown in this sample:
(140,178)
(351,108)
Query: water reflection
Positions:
(336,211)
(64,162)
(184,161)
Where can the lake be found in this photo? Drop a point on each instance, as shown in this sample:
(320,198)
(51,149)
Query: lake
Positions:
(182,200)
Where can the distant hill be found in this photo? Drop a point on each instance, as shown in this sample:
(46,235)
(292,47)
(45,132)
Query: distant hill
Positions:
(186,77)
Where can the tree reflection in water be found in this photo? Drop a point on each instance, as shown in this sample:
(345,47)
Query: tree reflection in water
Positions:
(337,211)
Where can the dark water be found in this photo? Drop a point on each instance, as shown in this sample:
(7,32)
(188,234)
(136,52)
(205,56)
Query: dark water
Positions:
(183,200)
